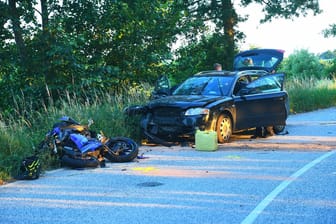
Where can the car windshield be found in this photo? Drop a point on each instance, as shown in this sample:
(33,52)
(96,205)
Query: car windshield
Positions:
(205,85)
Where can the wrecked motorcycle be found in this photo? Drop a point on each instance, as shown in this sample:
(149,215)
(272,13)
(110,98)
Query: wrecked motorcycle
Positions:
(78,146)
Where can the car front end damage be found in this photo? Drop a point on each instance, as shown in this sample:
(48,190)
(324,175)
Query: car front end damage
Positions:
(173,123)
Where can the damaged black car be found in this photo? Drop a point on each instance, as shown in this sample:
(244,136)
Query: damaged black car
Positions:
(226,102)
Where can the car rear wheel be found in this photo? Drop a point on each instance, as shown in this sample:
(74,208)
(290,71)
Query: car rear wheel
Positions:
(224,128)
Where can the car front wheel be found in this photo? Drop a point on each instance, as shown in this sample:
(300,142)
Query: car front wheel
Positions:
(224,128)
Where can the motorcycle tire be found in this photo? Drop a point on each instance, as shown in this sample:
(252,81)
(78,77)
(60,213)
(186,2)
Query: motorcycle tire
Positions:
(121,149)
(79,162)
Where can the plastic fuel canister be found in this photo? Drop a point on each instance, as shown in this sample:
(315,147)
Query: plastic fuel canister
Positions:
(206,140)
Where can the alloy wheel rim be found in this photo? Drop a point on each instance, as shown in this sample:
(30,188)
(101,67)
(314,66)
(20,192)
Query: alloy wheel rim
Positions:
(225,128)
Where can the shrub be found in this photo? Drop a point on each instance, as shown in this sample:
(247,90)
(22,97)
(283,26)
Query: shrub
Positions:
(330,68)
(303,65)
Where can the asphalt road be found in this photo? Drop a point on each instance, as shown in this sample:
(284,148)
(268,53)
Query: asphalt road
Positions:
(287,178)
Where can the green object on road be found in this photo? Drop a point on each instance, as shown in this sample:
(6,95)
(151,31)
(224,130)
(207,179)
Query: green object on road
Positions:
(206,140)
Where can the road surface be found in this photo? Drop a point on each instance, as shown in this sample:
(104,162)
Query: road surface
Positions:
(281,179)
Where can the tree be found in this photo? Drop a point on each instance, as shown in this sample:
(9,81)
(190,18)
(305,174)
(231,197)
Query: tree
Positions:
(284,8)
(83,44)
(218,13)
(331,31)
(73,44)
(222,13)
(17,30)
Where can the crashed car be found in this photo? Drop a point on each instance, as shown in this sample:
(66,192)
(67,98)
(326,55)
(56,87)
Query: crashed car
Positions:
(226,102)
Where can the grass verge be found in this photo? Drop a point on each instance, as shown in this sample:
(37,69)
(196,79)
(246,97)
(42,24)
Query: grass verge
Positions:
(311,94)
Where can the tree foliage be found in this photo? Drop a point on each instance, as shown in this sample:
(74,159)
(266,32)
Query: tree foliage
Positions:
(331,31)
(273,9)
(83,44)
(52,46)
(328,59)
(303,65)
(221,45)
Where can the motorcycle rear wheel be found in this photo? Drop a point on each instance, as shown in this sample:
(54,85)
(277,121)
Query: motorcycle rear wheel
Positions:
(79,162)
(121,149)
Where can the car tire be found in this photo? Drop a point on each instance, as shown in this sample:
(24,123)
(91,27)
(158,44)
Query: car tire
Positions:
(224,128)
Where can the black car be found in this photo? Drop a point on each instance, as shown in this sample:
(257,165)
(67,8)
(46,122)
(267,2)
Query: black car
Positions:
(249,97)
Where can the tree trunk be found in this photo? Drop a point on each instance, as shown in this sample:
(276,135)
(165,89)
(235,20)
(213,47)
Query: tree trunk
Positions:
(47,71)
(44,15)
(229,22)
(15,18)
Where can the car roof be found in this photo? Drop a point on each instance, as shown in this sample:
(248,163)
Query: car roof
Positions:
(258,59)
(215,73)
(230,73)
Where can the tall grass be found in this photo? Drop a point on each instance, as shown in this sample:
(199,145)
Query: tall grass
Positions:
(21,133)
(311,94)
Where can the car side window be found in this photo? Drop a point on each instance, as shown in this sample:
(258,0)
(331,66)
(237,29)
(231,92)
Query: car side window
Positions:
(265,84)
(241,83)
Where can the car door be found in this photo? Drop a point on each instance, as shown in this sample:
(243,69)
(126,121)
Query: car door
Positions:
(262,102)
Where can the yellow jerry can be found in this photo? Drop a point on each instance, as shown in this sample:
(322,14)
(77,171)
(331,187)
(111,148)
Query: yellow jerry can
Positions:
(206,140)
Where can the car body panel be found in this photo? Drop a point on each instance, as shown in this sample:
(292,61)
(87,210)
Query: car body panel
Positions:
(259,111)
(184,101)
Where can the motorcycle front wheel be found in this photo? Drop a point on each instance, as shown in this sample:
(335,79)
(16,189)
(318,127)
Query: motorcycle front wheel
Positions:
(121,149)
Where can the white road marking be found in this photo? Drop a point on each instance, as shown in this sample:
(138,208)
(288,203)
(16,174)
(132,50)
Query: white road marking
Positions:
(270,197)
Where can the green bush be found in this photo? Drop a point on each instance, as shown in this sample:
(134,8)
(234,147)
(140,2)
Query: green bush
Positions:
(303,65)
(329,68)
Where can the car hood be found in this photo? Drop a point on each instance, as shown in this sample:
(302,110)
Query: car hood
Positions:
(258,59)
(184,101)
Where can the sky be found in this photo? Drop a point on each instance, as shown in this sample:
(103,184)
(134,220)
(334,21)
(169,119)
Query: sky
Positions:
(290,35)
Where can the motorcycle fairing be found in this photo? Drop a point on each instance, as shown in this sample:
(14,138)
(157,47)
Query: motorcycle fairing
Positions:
(84,144)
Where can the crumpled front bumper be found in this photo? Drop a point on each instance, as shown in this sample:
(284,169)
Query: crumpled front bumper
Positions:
(170,128)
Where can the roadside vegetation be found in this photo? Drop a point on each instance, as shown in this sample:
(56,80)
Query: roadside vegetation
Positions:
(311,81)
(311,94)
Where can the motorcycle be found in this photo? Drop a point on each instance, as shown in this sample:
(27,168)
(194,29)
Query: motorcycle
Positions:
(78,146)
